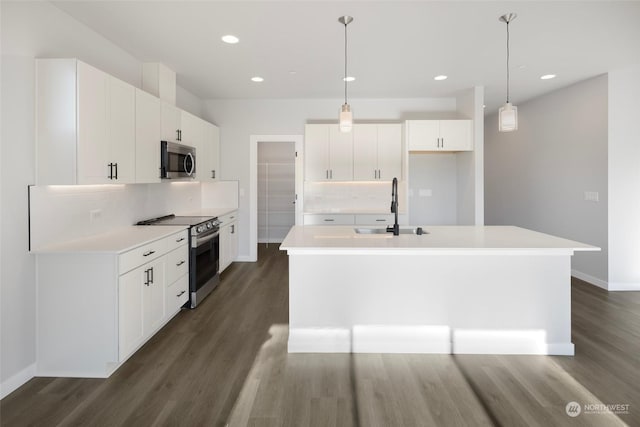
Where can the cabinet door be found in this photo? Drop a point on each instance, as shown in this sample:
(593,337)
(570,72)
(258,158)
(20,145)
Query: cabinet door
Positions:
(316,153)
(130,333)
(365,152)
(423,135)
(233,242)
(171,118)
(389,151)
(148,123)
(191,130)
(93,144)
(225,253)
(122,130)
(340,154)
(153,296)
(207,157)
(456,135)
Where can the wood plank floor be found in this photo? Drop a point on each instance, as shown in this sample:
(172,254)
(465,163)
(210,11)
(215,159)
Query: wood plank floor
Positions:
(226,364)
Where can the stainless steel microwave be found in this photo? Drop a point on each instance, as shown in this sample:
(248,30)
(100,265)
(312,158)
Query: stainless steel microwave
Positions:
(177,160)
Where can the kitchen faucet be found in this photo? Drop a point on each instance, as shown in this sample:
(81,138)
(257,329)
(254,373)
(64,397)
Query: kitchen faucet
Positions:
(394,208)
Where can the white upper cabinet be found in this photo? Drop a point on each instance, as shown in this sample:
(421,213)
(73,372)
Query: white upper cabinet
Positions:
(191,130)
(208,156)
(377,152)
(328,153)
(316,153)
(148,118)
(85,125)
(171,123)
(439,135)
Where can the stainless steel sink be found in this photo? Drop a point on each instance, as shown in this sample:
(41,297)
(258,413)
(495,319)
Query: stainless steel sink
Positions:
(370,230)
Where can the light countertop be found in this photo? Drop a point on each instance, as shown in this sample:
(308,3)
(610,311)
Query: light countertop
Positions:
(339,211)
(115,241)
(440,239)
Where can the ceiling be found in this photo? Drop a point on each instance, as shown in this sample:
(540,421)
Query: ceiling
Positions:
(395,47)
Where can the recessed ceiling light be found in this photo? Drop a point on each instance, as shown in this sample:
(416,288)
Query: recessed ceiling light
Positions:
(440,77)
(547,76)
(257,79)
(230,39)
(349,79)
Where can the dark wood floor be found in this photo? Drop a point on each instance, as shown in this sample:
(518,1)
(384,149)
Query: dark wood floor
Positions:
(226,363)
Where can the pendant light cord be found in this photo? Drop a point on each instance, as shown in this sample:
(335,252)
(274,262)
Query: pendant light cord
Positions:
(507,61)
(345,63)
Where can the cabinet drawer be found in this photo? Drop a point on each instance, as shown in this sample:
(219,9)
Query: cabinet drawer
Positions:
(228,218)
(177,263)
(177,240)
(372,219)
(177,295)
(143,254)
(323,219)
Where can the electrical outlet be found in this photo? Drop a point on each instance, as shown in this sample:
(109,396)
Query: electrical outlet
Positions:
(95,215)
(591,196)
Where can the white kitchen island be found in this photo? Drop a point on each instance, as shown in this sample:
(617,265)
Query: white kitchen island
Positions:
(457,289)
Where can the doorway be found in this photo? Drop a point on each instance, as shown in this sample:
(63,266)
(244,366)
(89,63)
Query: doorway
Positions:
(276,190)
(254,142)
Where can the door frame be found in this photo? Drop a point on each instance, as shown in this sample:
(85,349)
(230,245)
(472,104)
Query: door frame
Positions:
(253,183)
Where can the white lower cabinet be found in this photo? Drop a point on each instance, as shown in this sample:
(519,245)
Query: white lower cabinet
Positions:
(329,219)
(228,239)
(95,309)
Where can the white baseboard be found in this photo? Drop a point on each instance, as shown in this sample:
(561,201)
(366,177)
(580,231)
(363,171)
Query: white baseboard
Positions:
(624,286)
(319,340)
(401,339)
(13,383)
(471,341)
(590,279)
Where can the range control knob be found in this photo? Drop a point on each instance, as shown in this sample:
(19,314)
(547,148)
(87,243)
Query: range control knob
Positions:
(209,225)
(199,229)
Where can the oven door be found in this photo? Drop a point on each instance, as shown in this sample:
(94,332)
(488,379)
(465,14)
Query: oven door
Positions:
(176,160)
(204,262)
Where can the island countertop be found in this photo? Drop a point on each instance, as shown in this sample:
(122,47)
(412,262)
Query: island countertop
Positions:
(437,239)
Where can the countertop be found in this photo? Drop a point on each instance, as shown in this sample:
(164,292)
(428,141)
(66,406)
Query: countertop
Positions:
(115,241)
(440,239)
(338,211)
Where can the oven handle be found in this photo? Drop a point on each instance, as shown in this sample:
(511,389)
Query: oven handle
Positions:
(207,238)
(193,164)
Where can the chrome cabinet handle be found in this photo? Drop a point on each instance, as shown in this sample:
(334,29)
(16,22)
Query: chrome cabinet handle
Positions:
(151,280)
(381,220)
(213,174)
(181,293)
(180,263)
(180,240)
(329,219)
(148,253)
(146,280)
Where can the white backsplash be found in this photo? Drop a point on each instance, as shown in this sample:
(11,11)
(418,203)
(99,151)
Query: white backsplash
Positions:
(59,213)
(327,197)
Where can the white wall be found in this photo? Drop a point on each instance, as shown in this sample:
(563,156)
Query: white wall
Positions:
(624,179)
(536,177)
(30,30)
(238,119)
(433,189)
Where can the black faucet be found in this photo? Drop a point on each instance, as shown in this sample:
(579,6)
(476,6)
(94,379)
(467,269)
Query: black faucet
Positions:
(394,208)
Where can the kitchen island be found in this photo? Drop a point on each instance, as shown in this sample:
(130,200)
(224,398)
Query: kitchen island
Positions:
(454,289)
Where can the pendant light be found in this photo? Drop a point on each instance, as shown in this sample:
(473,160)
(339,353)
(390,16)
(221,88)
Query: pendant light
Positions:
(508,114)
(346,118)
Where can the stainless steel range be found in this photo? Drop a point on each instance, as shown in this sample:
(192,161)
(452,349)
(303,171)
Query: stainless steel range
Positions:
(204,255)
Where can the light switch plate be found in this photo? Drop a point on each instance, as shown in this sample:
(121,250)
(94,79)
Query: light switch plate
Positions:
(591,196)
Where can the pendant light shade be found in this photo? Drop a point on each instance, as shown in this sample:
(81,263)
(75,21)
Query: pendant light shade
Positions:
(346,118)
(508,114)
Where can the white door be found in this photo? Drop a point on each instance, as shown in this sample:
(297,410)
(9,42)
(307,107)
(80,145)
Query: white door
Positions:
(130,311)
(148,124)
(389,151)
(122,130)
(340,154)
(365,152)
(316,153)
(423,135)
(171,117)
(153,296)
(456,135)
(93,144)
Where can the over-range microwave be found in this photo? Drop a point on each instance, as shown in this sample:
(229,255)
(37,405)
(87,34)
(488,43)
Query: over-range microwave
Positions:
(177,160)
